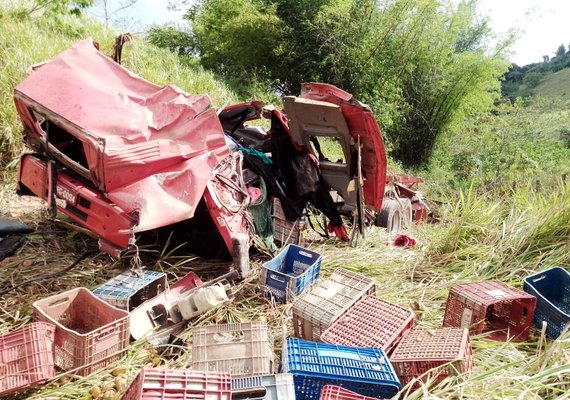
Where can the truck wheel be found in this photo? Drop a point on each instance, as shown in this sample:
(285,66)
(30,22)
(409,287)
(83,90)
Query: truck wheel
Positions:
(390,216)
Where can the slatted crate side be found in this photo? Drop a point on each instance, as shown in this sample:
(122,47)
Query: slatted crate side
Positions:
(370,322)
(240,349)
(331,392)
(316,310)
(441,352)
(26,357)
(265,387)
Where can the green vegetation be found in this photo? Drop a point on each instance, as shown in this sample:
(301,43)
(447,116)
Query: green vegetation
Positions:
(420,65)
(26,39)
(549,75)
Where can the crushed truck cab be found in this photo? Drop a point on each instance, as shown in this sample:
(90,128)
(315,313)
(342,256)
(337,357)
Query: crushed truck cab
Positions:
(120,155)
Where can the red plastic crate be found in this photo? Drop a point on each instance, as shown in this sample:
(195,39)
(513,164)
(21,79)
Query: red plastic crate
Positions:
(26,357)
(331,392)
(490,306)
(89,333)
(443,352)
(179,384)
(371,322)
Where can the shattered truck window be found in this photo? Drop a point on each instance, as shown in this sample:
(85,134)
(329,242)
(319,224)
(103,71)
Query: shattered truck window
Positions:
(65,142)
(328,149)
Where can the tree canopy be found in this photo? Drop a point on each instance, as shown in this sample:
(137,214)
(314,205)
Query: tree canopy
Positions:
(420,64)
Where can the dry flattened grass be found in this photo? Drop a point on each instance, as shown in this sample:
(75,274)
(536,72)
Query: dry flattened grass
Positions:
(418,278)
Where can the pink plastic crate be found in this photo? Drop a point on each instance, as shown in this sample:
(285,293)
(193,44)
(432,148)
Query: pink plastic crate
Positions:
(183,384)
(441,352)
(26,357)
(490,306)
(89,333)
(371,322)
(331,392)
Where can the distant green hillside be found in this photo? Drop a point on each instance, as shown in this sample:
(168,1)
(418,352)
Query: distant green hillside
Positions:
(550,78)
(554,85)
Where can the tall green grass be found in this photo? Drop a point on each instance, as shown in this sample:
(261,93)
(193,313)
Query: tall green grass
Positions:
(27,39)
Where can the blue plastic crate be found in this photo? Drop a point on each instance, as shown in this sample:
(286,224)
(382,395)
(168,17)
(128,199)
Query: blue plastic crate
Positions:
(364,370)
(292,271)
(128,290)
(552,291)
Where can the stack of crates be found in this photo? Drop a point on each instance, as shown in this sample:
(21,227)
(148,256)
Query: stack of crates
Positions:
(290,273)
(371,322)
(552,290)
(240,349)
(490,306)
(366,371)
(264,387)
(26,357)
(179,384)
(316,310)
(90,333)
(129,289)
(442,352)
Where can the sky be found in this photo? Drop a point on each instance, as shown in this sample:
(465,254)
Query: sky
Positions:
(542,25)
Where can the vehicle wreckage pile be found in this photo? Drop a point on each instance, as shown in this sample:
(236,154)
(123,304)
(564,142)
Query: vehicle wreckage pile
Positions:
(121,156)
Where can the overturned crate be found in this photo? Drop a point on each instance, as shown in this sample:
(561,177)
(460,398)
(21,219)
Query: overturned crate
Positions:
(90,333)
(240,349)
(366,371)
(179,384)
(316,310)
(438,353)
(290,273)
(129,289)
(285,231)
(26,357)
(552,290)
(264,387)
(490,306)
(370,322)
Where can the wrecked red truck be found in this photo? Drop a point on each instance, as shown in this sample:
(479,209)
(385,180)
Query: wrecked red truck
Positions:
(120,156)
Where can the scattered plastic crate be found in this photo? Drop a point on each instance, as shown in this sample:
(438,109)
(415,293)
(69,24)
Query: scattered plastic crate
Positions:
(264,387)
(129,290)
(291,272)
(314,311)
(552,290)
(490,306)
(240,349)
(90,333)
(179,384)
(370,322)
(444,352)
(26,357)
(331,392)
(285,231)
(366,371)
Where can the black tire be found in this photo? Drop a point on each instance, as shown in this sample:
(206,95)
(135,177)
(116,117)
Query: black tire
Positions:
(390,216)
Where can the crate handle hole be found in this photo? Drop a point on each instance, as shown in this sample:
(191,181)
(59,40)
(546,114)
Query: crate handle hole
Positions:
(539,278)
(251,394)
(233,336)
(304,253)
(58,302)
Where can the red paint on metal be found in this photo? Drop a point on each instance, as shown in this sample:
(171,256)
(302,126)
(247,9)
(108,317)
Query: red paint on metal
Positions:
(361,123)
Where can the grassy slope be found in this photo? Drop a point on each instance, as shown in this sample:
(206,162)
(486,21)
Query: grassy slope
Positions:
(556,85)
(25,41)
